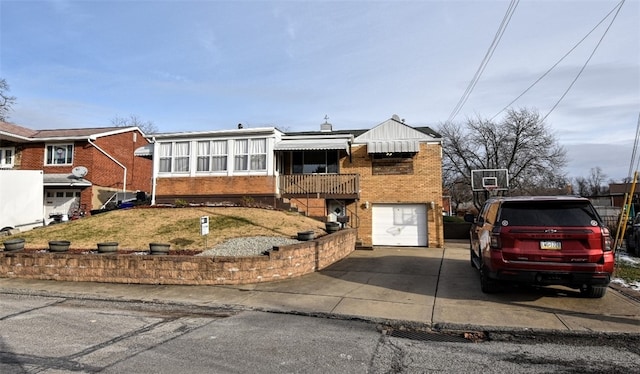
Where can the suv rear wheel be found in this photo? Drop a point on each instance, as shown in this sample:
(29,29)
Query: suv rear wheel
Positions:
(472,257)
(487,285)
(594,291)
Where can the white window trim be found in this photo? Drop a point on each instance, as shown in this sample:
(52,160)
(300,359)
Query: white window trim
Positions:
(173,156)
(3,157)
(230,171)
(212,156)
(65,145)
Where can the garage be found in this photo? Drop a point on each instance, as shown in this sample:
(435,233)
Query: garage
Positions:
(400,225)
(59,202)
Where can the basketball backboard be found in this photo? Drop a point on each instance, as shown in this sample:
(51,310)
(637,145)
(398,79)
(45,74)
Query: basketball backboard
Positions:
(489,180)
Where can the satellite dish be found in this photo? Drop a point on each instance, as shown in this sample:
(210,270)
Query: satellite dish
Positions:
(79,171)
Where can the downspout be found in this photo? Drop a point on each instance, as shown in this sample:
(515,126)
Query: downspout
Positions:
(124,183)
(154,171)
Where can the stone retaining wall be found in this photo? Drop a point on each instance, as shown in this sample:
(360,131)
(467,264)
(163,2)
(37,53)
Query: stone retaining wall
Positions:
(281,263)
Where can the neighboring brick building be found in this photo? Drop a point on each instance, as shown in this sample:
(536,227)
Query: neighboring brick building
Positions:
(83,168)
(619,193)
(385,182)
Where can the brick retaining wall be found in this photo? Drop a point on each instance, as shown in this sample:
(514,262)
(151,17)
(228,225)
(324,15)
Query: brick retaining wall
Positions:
(281,263)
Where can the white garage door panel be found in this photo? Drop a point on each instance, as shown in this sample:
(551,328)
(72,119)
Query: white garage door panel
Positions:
(400,224)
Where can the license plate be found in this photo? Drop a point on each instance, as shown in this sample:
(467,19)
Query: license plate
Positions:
(551,245)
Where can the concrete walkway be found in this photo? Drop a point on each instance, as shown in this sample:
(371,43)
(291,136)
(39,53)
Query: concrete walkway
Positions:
(430,287)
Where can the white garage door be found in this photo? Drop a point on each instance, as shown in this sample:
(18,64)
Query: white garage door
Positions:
(60,202)
(400,224)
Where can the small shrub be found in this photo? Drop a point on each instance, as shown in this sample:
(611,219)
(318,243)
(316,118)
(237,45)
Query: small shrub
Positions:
(180,203)
(248,201)
(453,219)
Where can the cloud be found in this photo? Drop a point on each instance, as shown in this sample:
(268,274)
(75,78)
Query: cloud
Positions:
(614,159)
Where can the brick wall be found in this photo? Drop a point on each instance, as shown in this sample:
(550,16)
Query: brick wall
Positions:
(423,185)
(282,263)
(105,172)
(213,188)
(313,207)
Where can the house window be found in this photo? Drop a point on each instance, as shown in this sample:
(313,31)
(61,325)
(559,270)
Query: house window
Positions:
(254,150)
(398,163)
(258,154)
(59,154)
(7,157)
(310,162)
(165,158)
(212,155)
(219,155)
(174,157)
(241,155)
(181,156)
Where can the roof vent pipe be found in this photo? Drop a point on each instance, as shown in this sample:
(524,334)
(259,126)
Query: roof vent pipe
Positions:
(326,126)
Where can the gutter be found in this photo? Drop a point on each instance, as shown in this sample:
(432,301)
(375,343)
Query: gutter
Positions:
(124,182)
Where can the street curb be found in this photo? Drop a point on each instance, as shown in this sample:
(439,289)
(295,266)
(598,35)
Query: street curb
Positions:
(470,333)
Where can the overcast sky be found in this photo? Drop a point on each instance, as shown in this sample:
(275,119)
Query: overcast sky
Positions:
(207,65)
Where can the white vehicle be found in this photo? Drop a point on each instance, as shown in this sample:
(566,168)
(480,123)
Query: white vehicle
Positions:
(21,199)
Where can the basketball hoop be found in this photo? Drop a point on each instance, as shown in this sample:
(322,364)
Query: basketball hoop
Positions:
(486,183)
(491,190)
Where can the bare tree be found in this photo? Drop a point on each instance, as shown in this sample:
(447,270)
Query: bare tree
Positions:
(521,143)
(582,186)
(596,181)
(147,127)
(457,189)
(6,101)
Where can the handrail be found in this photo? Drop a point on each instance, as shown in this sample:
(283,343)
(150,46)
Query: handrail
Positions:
(326,184)
(115,195)
(353,220)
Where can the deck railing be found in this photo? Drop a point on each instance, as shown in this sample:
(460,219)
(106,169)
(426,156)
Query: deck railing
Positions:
(322,184)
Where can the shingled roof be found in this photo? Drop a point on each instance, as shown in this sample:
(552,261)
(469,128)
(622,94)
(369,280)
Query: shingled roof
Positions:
(11,129)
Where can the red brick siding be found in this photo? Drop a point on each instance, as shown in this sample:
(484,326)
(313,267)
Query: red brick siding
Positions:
(312,207)
(121,147)
(213,185)
(103,172)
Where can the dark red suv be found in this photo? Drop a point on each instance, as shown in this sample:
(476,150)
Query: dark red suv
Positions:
(542,240)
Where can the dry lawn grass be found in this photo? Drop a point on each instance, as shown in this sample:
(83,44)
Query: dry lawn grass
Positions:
(134,229)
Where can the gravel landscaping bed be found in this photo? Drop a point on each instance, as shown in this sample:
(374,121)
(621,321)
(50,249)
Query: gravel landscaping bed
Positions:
(248,246)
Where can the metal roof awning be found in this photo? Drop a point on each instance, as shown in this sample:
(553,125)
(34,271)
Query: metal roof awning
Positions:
(144,151)
(312,144)
(391,146)
(64,180)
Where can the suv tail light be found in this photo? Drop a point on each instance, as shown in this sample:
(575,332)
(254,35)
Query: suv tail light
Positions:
(496,243)
(606,240)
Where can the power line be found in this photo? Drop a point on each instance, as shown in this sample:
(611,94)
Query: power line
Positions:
(586,62)
(496,39)
(634,151)
(558,62)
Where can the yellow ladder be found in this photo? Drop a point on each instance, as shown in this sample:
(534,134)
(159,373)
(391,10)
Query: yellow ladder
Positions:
(624,217)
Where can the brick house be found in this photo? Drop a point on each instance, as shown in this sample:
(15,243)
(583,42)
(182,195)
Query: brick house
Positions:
(83,168)
(619,192)
(386,181)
